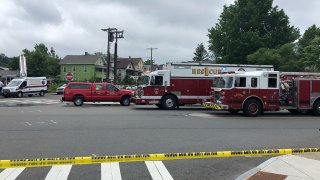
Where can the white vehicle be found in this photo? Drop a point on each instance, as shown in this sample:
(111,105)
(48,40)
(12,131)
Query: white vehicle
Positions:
(25,85)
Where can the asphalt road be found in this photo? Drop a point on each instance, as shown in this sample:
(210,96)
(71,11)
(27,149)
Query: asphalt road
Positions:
(39,127)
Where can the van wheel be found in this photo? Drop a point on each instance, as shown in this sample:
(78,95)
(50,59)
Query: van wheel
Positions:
(20,95)
(252,108)
(316,108)
(41,93)
(125,101)
(78,101)
(169,102)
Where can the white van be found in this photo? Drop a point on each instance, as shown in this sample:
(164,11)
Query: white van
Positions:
(26,85)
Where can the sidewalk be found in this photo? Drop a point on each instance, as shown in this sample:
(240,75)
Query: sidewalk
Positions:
(288,167)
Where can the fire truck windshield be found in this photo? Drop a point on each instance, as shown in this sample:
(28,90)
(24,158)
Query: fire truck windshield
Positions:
(222,82)
(145,80)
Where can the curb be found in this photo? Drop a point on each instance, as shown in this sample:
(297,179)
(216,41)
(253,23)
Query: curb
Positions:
(253,171)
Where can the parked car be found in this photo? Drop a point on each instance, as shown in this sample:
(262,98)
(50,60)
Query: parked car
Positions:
(80,92)
(60,89)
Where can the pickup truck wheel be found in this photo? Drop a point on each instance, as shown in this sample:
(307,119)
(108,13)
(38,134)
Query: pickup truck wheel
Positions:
(169,102)
(252,108)
(20,95)
(316,108)
(29,95)
(41,93)
(78,101)
(125,101)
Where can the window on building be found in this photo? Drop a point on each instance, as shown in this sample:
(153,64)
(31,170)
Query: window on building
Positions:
(241,82)
(85,69)
(64,69)
(272,80)
(74,69)
(254,82)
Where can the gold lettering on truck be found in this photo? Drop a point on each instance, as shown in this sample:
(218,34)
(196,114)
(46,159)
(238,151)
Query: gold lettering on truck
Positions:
(206,71)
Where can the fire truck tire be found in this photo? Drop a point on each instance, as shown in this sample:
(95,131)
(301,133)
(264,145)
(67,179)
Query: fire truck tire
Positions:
(316,108)
(169,102)
(125,101)
(159,106)
(78,101)
(20,94)
(252,108)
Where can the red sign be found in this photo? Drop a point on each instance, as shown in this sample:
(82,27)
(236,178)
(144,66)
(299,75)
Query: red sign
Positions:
(69,76)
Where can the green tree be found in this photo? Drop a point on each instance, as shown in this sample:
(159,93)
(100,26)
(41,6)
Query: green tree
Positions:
(201,54)
(14,63)
(246,26)
(149,62)
(4,60)
(308,36)
(42,62)
(310,55)
(283,58)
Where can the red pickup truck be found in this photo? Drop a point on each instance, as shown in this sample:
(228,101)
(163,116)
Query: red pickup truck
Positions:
(79,92)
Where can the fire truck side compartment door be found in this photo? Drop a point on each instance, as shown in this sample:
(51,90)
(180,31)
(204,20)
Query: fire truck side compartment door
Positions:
(303,93)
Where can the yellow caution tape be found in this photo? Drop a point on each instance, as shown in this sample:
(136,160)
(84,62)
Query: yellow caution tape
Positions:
(40,162)
(211,105)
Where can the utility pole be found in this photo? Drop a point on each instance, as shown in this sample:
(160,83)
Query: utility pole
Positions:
(151,49)
(110,32)
(118,34)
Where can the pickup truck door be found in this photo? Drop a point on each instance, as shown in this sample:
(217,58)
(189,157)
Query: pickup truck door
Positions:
(113,93)
(99,92)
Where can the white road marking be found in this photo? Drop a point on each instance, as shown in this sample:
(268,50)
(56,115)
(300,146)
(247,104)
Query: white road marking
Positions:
(59,172)
(110,171)
(28,123)
(10,173)
(158,171)
(53,121)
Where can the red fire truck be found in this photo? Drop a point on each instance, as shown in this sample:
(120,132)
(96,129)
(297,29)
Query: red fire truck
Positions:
(184,83)
(256,92)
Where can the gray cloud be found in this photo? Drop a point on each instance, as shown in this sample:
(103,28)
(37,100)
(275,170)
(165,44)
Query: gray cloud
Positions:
(74,26)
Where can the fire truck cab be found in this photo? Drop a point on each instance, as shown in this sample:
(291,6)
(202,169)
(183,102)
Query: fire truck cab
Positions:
(259,91)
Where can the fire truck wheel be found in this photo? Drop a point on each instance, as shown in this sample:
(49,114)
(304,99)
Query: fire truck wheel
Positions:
(20,95)
(252,108)
(78,101)
(159,106)
(125,101)
(316,108)
(169,102)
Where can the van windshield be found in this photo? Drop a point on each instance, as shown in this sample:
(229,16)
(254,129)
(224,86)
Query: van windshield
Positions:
(14,83)
(222,82)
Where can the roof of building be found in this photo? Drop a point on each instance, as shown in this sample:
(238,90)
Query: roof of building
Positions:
(123,63)
(4,73)
(135,61)
(80,59)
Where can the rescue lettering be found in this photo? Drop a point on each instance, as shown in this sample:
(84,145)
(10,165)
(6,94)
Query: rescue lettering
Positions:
(206,71)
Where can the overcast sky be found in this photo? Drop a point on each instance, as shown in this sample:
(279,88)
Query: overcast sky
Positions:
(73,27)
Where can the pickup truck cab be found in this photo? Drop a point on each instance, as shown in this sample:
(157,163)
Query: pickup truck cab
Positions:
(80,92)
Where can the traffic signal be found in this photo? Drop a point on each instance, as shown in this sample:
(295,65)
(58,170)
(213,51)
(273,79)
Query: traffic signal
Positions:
(110,36)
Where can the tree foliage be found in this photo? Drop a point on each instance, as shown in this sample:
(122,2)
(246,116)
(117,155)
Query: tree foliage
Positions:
(42,62)
(246,26)
(149,62)
(283,58)
(201,54)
